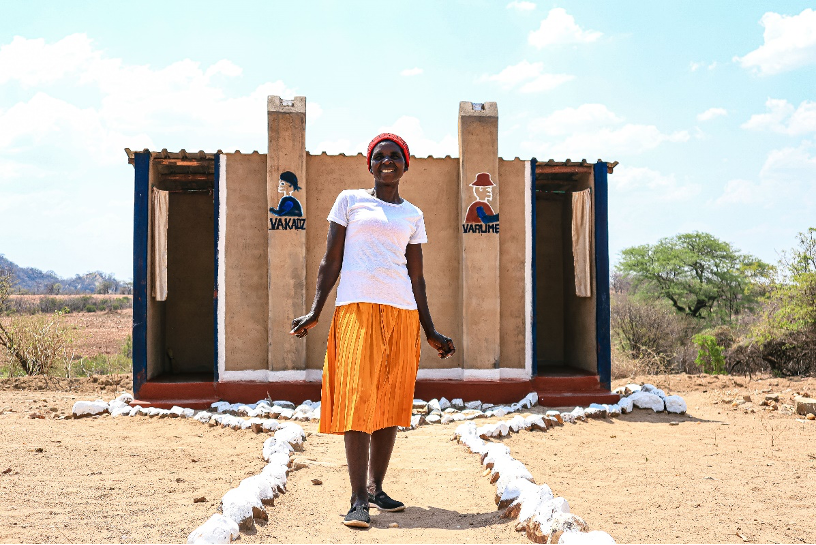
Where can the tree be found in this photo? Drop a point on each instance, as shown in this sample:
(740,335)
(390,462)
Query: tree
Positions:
(787,334)
(699,274)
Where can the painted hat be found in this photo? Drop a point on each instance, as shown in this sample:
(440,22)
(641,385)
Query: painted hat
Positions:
(483,180)
(393,138)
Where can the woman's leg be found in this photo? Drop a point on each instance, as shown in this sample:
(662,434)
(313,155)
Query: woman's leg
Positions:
(357,445)
(382,445)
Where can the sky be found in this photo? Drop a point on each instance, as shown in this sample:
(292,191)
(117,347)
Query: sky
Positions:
(710,111)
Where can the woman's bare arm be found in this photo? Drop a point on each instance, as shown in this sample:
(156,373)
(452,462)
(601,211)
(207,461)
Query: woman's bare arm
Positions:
(442,344)
(327,276)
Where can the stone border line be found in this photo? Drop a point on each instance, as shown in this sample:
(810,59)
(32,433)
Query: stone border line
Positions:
(544,517)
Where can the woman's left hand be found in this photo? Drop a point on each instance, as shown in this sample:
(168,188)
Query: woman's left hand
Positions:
(442,344)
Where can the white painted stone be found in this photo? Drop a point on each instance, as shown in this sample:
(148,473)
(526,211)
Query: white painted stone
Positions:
(579,414)
(116,404)
(217,529)
(220,406)
(518,423)
(645,400)
(535,422)
(513,491)
(304,408)
(486,406)
(474,405)
(284,404)
(613,410)
(275,474)
(675,404)
(551,530)
(89,408)
(433,405)
(121,411)
(632,387)
(596,410)
(595,537)
(433,419)
(176,411)
(458,404)
(415,421)
(203,416)
(135,410)
(274,444)
(556,415)
(625,405)
(493,452)
(568,418)
(530,400)
(241,506)
(260,487)
(187,413)
(499,411)
(269,424)
(419,404)
(292,434)
(447,418)
(530,502)
(468,428)
(124,397)
(652,389)
(444,404)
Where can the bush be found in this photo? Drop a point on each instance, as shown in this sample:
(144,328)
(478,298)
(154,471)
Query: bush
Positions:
(710,357)
(90,308)
(35,345)
(648,330)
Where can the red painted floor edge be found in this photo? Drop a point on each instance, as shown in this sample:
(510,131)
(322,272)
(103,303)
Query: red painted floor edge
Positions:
(552,391)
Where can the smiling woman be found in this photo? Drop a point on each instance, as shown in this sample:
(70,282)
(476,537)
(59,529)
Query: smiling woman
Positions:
(374,246)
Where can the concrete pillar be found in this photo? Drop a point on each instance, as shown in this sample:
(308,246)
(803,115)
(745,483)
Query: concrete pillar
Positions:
(479,183)
(286,199)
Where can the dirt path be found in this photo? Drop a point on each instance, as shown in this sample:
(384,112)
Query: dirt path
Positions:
(440,482)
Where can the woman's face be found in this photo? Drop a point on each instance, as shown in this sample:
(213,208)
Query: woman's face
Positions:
(387,162)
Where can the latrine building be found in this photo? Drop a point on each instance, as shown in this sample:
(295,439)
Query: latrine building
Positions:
(227,248)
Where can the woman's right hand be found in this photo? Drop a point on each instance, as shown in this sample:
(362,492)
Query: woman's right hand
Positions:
(302,325)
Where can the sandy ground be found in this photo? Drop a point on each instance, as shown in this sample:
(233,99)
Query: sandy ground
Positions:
(722,475)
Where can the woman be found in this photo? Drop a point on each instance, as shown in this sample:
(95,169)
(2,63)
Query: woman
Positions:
(375,241)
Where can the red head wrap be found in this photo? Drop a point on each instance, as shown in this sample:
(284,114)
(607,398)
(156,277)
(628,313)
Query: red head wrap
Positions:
(387,136)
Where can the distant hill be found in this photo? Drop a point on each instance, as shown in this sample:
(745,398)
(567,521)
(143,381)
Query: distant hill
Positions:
(31,280)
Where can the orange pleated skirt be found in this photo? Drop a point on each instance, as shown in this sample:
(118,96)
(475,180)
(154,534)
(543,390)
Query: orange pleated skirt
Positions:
(370,368)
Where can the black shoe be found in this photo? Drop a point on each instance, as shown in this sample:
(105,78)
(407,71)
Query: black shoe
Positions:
(384,503)
(358,517)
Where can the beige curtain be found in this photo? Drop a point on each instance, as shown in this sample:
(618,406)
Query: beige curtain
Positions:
(581,222)
(159,225)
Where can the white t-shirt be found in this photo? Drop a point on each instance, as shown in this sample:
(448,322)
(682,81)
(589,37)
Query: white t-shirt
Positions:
(377,234)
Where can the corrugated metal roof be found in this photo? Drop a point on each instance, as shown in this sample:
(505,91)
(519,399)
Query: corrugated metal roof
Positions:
(182,154)
(553,165)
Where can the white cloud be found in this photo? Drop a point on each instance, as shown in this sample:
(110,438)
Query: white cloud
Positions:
(787,179)
(521,6)
(559,28)
(783,117)
(73,155)
(584,118)
(546,82)
(789,43)
(592,131)
(711,113)
(411,71)
(530,72)
(651,184)
(694,66)
(33,62)
(410,129)
(313,112)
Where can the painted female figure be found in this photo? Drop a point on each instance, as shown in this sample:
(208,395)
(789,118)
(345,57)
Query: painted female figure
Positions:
(288,205)
(375,247)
